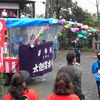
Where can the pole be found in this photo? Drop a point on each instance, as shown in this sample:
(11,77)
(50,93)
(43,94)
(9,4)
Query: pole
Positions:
(33,10)
(97,13)
(47,9)
(94,52)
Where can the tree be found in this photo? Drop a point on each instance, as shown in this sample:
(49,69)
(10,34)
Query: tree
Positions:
(77,13)
(91,20)
(61,8)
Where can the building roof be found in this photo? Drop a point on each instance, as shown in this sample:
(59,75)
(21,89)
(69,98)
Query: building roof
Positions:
(20,1)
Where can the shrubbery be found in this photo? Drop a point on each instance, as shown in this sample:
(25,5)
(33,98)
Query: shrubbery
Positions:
(1,85)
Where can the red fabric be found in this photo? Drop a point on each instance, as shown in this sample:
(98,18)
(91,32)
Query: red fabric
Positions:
(31,95)
(62,97)
(2,32)
(10,60)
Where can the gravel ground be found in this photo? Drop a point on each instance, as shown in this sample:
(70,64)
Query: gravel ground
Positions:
(43,84)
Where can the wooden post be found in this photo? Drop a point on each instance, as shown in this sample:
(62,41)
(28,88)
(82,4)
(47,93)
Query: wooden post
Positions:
(94,52)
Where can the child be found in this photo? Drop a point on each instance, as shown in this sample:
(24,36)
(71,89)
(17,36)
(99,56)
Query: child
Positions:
(96,69)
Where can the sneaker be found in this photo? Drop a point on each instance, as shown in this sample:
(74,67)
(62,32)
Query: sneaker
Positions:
(55,59)
(78,64)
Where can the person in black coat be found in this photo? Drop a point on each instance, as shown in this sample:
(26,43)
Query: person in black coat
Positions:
(77,49)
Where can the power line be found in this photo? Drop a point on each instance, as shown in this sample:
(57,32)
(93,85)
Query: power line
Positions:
(91,2)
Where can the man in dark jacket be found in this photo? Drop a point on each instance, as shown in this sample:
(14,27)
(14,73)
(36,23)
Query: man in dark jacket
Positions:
(77,49)
(74,73)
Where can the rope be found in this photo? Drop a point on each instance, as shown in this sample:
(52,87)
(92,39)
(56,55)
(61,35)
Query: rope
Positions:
(13,42)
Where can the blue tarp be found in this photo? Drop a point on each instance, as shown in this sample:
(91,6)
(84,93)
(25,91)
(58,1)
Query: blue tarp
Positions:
(27,22)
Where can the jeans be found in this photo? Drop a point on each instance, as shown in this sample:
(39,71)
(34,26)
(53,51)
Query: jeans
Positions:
(55,53)
(98,82)
(78,57)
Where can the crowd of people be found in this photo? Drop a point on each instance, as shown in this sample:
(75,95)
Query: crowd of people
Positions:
(67,85)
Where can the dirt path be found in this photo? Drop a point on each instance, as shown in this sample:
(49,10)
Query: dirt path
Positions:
(43,85)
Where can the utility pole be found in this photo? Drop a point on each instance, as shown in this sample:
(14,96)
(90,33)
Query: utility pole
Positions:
(98,13)
(47,9)
(33,10)
(51,8)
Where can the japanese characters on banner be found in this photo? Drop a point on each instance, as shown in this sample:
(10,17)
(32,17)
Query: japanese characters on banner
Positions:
(2,30)
(37,61)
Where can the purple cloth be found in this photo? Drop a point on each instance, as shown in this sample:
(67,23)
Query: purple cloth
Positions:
(37,61)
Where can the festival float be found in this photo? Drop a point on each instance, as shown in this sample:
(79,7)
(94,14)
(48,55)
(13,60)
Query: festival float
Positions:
(26,44)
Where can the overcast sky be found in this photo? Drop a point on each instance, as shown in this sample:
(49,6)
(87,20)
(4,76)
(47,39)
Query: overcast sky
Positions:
(39,8)
(89,5)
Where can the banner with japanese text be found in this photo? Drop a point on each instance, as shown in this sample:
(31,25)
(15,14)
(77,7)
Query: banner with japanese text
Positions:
(37,61)
(2,32)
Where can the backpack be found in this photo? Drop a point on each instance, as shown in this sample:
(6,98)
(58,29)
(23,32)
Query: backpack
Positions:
(24,97)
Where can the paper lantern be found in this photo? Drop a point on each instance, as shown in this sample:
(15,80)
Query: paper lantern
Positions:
(69,25)
(60,34)
(4,13)
(78,25)
(77,29)
(85,37)
(47,28)
(73,30)
(41,33)
(84,32)
(86,27)
(70,19)
(60,23)
(82,27)
(37,40)
(93,30)
(54,16)
(80,36)
(66,26)
(5,36)
(89,33)
(64,29)
(6,28)
(90,28)
(6,44)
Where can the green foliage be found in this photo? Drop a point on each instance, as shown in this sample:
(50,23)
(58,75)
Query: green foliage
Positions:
(1,85)
(63,41)
(91,20)
(61,8)
(87,49)
(78,14)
